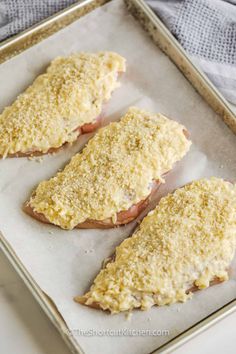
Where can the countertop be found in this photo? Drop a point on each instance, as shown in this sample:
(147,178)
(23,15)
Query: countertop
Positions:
(25,329)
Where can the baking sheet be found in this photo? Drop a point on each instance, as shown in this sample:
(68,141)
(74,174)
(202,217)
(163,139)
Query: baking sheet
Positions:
(64,263)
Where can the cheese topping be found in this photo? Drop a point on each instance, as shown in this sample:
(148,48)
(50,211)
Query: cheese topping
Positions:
(189,239)
(114,171)
(70,94)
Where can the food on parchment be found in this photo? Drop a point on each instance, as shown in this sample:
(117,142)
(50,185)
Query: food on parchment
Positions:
(60,105)
(111,181)
(186,243)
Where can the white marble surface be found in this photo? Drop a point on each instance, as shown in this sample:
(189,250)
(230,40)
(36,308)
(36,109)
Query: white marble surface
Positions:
(25,329)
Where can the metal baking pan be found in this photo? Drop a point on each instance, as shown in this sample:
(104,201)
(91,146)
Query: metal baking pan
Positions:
(165,40)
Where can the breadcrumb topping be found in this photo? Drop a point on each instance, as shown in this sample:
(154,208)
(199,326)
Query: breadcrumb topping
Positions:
(189,239)
(114,171)
(70,94)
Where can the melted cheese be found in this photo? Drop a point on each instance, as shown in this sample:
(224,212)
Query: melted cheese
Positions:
(71,93)
(114,171)
(189,239)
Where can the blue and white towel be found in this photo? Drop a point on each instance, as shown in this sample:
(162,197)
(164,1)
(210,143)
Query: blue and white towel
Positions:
(205,28)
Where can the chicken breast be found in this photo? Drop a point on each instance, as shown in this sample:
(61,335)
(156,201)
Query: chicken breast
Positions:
(60,105)
(85,129)
(186,243)
(110,182)
(122,217)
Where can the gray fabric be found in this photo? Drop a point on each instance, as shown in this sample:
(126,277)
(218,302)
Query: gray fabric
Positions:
(207,31)
(205,28)
(17,15)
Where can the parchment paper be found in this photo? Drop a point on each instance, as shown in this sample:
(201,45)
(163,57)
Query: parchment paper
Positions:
(64,263)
